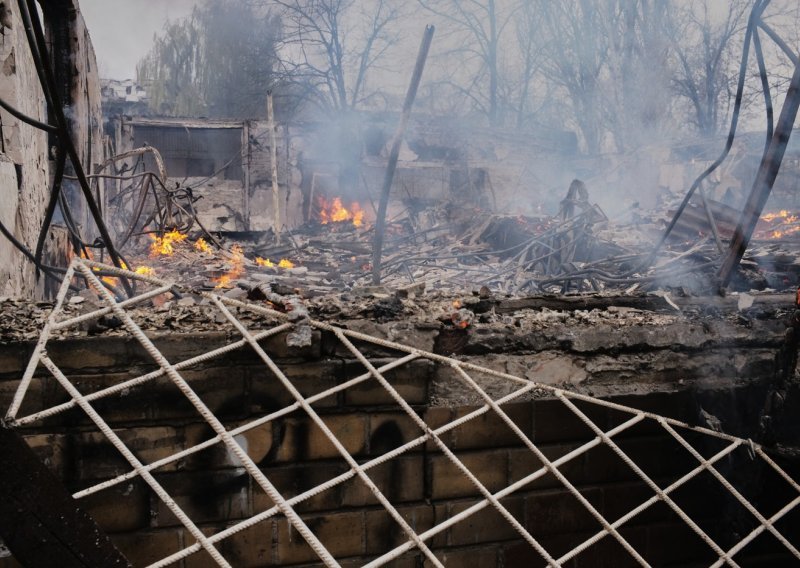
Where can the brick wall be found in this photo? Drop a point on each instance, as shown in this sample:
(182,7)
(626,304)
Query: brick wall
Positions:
(215,491)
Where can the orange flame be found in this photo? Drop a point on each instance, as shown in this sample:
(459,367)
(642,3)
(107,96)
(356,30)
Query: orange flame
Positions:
(236,270)
(163,246)
(335,212)
(264,262)
(284,263)
(201,245)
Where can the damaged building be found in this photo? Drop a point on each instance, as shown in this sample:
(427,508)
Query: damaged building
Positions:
(227,343)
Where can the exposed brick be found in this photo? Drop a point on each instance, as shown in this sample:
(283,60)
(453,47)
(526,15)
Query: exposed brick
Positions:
(341,533)
(204,496)
(122,508)
(523,462)
(489,430)
(268,394)
(97,353)
(447,481)
(558,511)
(250,548)
(400,480)
(555,422)
(487,525)
(302,439)
(383,533)
(484,556)
(201,558)
(391,430)
(146,547)
(662,550)
(291,481)
(14,358)
(410,381)
(436,417)
(34,400)
(51,449)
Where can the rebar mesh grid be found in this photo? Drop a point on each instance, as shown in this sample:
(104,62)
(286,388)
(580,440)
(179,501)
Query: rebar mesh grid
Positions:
(416,542)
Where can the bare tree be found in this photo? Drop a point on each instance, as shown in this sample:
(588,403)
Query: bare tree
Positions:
(705,48)
(330,47)
(217,62)
(480,25)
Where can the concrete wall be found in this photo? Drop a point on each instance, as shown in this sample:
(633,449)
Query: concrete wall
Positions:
(645,366)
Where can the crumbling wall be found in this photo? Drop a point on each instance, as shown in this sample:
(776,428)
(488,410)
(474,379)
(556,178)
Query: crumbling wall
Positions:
(658,363)
(26,164)
(24,168)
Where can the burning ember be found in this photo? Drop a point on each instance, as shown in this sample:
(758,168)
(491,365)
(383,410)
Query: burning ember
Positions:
(162,246)
(335,212)
(284,263)
(145,271)
(201,245)
(778,225)
(237,258)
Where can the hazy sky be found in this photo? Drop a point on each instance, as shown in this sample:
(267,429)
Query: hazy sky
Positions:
(122,30)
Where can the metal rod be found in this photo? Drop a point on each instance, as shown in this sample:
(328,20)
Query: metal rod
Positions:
(765,179)
(380,222)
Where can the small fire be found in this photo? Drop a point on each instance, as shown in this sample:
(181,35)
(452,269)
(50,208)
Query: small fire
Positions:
(201,245)
(162,246)
(283,263)
(145,271)
(783,223)
(236,270)
(335,212)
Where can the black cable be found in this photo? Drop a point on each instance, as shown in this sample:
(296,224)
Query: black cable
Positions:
(46,270)
(762,71)
(27,119)
(55,191)
(39,50)
(755,15)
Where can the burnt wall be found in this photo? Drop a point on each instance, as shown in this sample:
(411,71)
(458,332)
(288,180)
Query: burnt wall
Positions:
(681,369)
(26,163)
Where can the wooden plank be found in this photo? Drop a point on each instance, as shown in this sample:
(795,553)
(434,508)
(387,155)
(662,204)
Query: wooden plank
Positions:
(40,522)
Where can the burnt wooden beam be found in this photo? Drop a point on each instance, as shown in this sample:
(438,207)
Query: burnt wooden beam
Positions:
(380,221)
(40,522)
(765,180)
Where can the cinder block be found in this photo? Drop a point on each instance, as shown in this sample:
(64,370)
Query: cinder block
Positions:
(400,480)
(436,417)
(268,393)
(555,422)
(252,547)
(484,556)
(51,449)
(34,400)
(302,439)
(410,381)
(447,481)
(146,547)
(487,525)
(560,512)
(294,480)
(390,430)
(120,509)
(383,533)
(14,358)
(523,462)
(205,497)
(489,430)
(341,533)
